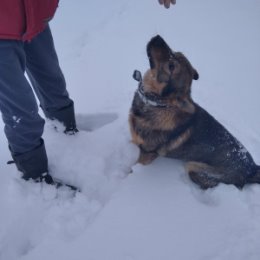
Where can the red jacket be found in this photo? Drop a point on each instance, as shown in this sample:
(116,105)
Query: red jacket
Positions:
(24,19)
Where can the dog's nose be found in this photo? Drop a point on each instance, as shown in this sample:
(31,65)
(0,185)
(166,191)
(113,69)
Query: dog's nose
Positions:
(158,41)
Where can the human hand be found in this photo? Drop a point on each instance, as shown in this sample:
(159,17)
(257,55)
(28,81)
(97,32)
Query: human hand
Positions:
(167,3)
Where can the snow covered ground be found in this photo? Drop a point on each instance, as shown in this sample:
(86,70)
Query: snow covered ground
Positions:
(156,212)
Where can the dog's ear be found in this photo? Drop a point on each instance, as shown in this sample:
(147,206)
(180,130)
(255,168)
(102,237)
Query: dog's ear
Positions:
(182,59)
(195,74)
(157,51)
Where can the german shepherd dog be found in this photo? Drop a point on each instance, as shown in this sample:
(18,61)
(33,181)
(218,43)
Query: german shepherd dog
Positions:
(165,121)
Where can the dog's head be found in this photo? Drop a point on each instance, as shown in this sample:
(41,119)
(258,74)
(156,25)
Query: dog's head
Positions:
(170,73)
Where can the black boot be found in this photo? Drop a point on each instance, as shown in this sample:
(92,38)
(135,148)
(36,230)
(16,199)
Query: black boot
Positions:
(65,115)
(32,164)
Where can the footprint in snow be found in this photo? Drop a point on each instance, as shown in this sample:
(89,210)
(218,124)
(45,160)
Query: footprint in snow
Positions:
(91,122)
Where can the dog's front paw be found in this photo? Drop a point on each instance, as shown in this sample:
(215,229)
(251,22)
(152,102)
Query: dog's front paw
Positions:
(146,158)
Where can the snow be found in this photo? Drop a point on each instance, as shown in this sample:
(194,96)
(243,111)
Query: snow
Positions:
(127,211)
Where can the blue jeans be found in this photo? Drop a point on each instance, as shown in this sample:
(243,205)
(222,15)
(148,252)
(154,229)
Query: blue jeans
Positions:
(23,124)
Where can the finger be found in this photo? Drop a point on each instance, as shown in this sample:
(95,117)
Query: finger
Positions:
(173,2)
(161,2)
(167,3)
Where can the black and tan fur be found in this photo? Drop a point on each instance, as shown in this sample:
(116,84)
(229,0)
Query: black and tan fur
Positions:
(182,129)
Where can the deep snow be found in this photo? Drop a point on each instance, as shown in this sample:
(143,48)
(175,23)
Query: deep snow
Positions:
(155,212)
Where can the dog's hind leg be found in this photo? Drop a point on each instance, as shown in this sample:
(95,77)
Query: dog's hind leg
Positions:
(204,175)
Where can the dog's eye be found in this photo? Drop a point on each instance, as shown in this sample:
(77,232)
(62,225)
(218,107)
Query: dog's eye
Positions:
(171,66)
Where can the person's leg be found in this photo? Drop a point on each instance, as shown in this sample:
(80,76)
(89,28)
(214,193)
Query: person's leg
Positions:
(47,79)
(23,124)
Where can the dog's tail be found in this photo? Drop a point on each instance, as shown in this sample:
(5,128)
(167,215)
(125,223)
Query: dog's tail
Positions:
(256,177)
